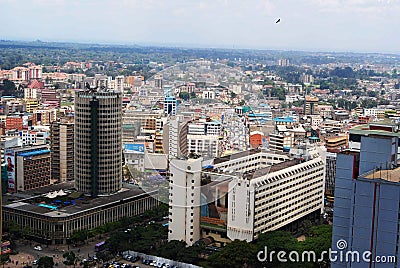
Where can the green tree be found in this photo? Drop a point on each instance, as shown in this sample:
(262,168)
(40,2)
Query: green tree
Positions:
(171,249)
(190,254)
(275,241)
(184,95)
(4,258)
(45,262)
(79,236)
(8,88)
(69,257)
(305,227)
(319,240)
(237,254)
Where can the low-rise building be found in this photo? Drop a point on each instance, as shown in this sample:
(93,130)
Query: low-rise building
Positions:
(51,222)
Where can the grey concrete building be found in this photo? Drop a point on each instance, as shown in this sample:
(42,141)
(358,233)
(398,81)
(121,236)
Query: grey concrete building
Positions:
(62,151)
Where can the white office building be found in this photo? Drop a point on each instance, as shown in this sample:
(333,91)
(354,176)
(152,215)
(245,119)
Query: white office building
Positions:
(205,145)
(266,191)
(196,129)
(184,211)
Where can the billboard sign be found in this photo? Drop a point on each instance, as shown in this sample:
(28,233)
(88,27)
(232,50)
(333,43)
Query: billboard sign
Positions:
(10,162)
(136,147)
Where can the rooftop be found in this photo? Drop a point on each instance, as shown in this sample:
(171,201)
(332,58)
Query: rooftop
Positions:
(337,138)
(284,165)
(33,153)
(284,119)
(269,169)
(235,156)
(365,130)
(34,201)
(392,175)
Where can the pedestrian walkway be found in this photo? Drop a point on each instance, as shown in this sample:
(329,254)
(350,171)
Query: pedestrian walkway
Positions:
(20,260)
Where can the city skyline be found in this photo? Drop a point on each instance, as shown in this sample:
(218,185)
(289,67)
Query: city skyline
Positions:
(313,25)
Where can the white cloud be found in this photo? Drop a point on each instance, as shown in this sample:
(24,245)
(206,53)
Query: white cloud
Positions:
(267,7)
(359,6)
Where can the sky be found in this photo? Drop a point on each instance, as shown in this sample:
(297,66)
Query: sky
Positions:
(310,25)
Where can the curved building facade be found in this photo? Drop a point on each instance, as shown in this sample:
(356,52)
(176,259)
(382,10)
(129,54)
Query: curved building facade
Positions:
(98,142)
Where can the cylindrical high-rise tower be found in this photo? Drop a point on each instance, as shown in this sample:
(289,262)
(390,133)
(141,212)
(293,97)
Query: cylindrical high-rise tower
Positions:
(98,142)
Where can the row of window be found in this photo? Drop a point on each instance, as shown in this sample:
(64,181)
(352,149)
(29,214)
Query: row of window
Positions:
(292,200)
(306,180)
(286,218)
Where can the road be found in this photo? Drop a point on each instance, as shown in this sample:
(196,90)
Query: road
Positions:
(27,254)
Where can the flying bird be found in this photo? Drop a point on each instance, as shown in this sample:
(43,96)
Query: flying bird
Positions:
(278,21)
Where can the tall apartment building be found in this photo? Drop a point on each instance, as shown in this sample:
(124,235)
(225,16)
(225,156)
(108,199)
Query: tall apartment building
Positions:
(170,106)
(31,92)
(98,142)
(330,173)
(247,193)
(62,151)
(307,78)
(283,62)
(158,81)
(175,136)
(135,80)
(367,202)
(311,105)
(184,212)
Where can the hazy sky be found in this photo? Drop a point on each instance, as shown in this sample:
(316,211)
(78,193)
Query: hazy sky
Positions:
(339,25)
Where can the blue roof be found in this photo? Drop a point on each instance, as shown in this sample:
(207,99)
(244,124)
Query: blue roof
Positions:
(283,119)
(33,153)
(208,166)
(260,115)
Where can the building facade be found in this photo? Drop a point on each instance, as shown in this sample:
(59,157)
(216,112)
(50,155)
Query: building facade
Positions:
(205,145)
(62,151)
(367,202)
(53,225)
(98,142)
(27,168)
(247,193)
(184,212)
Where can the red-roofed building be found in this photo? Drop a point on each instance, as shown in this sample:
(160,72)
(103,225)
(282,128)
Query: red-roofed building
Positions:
(14,122)
(256,138)
(36,84)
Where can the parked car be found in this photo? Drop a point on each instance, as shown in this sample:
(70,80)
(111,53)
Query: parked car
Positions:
(37,247)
